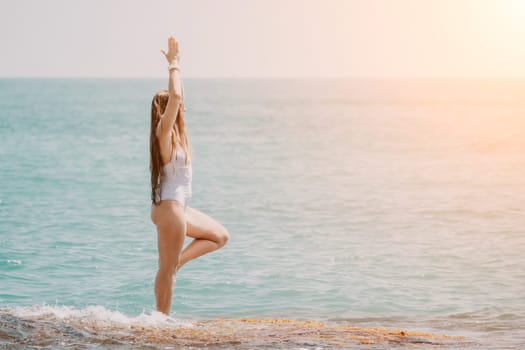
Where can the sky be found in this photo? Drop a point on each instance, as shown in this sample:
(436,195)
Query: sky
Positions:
(264,38)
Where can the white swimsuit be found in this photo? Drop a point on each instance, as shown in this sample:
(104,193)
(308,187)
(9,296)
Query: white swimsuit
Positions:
(176,181)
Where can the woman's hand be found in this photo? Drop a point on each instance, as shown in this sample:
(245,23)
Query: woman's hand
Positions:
(173,50)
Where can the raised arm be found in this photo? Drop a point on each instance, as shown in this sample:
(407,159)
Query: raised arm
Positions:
(169,117)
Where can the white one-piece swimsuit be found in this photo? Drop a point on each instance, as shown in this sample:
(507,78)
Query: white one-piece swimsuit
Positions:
(176,181)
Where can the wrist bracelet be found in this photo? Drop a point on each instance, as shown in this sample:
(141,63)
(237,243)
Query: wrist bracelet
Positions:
(174,65)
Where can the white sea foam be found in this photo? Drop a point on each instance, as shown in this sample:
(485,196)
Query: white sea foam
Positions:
(98,315)
(14,262)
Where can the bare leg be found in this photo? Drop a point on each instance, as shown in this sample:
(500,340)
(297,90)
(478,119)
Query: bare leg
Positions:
(198,247)
(209,235)
(171,230)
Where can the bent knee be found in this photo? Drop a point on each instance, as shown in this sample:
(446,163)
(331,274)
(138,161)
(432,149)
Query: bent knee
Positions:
(222,236)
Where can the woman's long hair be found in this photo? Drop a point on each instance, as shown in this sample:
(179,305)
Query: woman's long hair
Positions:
(158,106)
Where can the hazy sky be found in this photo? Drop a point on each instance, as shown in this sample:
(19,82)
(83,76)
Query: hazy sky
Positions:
(264,38)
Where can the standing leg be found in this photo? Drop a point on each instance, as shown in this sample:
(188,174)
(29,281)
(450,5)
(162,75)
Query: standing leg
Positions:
(171,230)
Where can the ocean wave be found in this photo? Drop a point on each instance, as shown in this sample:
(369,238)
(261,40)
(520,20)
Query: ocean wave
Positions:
(95,315)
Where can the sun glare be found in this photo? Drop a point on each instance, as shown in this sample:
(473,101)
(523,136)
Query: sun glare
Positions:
(515,10)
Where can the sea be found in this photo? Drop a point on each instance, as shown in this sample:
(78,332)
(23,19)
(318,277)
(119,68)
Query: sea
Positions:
(363,214)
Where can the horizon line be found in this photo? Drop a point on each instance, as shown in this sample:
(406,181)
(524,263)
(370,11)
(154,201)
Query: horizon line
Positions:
(448,77)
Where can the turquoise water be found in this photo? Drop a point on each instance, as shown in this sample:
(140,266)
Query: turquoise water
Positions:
(368,202)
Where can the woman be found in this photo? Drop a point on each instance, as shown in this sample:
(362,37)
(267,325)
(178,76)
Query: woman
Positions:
(171,175)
